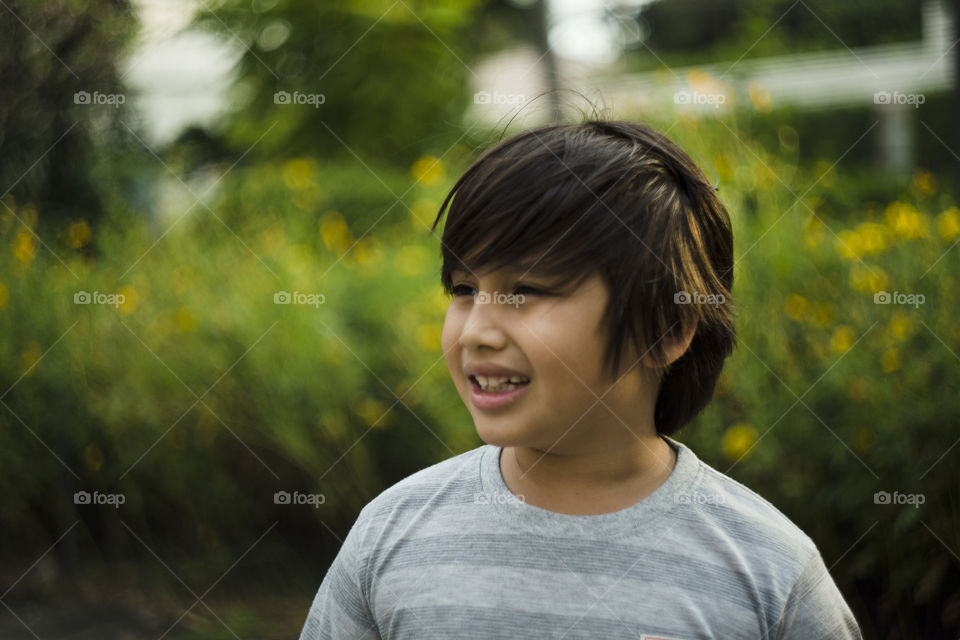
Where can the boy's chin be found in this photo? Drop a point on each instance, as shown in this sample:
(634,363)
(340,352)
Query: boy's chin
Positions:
(506,435)
(499,436)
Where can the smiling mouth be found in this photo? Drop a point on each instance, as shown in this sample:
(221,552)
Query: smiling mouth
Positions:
(485,384)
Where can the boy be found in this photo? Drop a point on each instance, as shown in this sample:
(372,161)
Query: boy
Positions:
(578,257)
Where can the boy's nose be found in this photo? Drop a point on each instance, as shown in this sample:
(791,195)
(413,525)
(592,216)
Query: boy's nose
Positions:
(483,328)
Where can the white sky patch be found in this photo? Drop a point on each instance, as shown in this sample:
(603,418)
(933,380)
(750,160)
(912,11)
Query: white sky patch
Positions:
(586,31)
(179,78)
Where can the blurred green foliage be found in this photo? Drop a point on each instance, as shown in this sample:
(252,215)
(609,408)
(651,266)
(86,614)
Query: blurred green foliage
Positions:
(681,32)
(52,146)
(387,74)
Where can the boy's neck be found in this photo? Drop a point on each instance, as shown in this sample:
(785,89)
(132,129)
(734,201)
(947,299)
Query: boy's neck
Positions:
(591,483)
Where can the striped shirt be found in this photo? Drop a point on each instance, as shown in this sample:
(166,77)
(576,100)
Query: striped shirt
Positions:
(451,553)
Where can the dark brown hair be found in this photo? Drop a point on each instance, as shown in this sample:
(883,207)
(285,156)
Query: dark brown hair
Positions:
(619,199)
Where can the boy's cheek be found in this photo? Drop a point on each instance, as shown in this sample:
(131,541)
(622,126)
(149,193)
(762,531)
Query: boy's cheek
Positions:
(448,339)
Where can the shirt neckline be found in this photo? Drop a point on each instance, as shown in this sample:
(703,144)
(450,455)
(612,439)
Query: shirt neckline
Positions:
(518,513)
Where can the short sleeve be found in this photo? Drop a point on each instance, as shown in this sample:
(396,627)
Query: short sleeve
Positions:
(340,610)
(816,609)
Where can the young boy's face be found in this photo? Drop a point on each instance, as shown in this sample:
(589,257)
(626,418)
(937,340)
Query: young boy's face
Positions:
(555,340)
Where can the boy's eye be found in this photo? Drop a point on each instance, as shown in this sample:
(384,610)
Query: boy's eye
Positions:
(458,290)
(530,290)
(467,290)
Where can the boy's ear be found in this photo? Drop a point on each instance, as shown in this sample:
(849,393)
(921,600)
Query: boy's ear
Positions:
(675,345)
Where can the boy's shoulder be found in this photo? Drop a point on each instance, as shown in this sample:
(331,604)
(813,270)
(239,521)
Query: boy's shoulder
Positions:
(452,479)
(743,513)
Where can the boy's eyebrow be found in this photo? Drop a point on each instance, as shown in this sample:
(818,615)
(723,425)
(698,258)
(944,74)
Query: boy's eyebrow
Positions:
(526,268)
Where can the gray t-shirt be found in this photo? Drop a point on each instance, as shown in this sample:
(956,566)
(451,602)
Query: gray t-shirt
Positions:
(450,553)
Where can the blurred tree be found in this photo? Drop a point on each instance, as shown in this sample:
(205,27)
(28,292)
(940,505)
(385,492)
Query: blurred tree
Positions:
(384,79)
(694,31)
(57,60)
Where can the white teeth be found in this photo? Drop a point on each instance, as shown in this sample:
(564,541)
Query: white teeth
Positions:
(499,383)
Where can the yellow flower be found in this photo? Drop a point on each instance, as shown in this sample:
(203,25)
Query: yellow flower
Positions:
(904,221)
(842,339)
(700,79)
(890,360)
(336,234)
(948,224)
(428,170)
(796,306)
(738,441)
(760,97)
(871,237)
(763,177)
(702,82)
(870,279)
(901,325)
(849,244)
(24,246)
(372,412)
(367,252)
(297,173)
(308,198)
(79,233)
(428,335)
(130,299)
